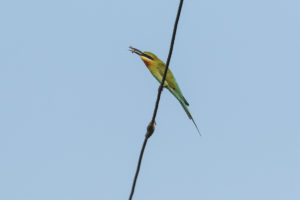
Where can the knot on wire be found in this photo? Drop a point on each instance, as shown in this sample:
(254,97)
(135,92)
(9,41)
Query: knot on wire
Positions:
(150,129)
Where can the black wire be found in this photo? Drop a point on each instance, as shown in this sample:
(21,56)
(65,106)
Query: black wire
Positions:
(138,168)
(168,61)
(151,126)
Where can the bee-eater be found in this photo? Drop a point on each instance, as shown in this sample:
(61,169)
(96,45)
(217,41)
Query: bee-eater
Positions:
(157,69)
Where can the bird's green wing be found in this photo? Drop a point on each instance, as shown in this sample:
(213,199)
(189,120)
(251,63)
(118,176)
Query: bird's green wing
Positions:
(171,81)
(175,90)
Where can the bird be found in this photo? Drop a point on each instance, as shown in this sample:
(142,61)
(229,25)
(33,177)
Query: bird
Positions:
(157,69)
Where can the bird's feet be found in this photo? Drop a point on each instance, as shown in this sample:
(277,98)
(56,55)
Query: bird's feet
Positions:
(160,88)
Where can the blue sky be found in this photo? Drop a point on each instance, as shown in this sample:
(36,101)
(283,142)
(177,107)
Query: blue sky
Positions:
(75,102)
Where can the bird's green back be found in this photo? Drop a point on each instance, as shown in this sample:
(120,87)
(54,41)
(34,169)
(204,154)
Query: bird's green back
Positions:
(157,68)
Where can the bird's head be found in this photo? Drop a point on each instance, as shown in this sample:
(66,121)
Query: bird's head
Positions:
(148,57)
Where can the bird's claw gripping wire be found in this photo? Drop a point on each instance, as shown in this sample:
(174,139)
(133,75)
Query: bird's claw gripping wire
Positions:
(161,87)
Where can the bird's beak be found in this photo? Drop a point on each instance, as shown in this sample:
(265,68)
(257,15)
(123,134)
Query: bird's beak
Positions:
(147,59)
(134,50)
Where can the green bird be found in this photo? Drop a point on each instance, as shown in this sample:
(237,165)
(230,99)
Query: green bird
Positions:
(157,69)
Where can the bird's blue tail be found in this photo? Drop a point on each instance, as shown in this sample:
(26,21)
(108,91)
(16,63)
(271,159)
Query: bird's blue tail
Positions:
(184,104)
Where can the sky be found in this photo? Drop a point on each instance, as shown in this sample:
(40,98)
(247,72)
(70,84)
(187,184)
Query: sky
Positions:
(75,102)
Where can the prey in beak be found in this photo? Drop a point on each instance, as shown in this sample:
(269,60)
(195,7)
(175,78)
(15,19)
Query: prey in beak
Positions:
(134,50)
(147,59)
(140,53)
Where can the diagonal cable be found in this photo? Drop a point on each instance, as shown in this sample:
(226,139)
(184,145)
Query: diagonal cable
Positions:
(151,126)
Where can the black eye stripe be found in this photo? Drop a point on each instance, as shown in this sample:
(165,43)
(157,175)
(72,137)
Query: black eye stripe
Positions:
(148,56)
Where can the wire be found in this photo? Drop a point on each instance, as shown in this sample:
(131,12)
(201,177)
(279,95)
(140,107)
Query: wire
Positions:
(138,168)
(151,126)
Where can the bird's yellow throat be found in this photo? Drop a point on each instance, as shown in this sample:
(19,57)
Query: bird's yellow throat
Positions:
(147,61)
